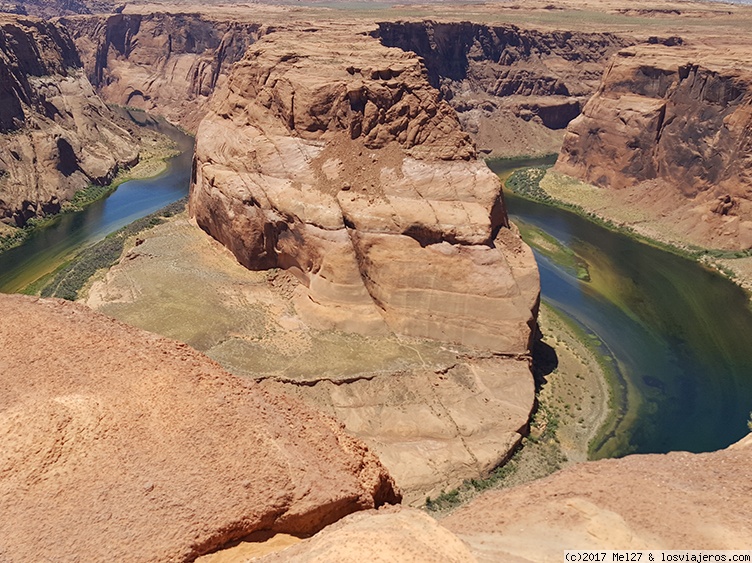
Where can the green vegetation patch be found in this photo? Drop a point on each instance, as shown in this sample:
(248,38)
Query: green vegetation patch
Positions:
(67,281)
(554,250)
(80,200)
(526,183)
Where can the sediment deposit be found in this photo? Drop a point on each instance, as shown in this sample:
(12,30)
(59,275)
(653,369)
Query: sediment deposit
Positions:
(57,134)
(122,445)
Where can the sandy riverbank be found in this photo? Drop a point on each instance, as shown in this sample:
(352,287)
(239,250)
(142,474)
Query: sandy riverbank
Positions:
(577,390)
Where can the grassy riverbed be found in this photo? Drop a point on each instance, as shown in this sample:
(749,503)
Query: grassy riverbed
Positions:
(75,274)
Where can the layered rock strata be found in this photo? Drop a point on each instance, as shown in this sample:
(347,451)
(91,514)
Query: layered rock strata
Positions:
(166,64)
(57,134)
(434,414)
(673,123)
(122,445)
(331,156)
(509,85)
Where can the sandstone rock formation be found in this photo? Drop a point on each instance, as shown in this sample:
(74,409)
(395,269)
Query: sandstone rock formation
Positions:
(120,445)
(674,501)
(511,86)
(673,123)
(403,535)
(434,414)
(57,135)
(166,64)
(332,156)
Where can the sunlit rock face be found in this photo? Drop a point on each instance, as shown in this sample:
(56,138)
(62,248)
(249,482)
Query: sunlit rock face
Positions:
(57,134)
(122,445)
(331,155)
(674,121)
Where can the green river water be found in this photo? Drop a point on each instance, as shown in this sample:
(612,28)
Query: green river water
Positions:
(677,336)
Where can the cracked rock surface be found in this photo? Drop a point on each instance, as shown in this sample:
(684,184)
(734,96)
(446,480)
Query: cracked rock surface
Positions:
(434,413)
(359,180)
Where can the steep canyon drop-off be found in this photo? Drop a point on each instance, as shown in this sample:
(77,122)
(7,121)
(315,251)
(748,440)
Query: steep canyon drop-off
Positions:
(670,130)
(58,135)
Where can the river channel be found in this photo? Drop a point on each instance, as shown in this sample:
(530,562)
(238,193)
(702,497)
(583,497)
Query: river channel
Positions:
(676,335)
(48,247)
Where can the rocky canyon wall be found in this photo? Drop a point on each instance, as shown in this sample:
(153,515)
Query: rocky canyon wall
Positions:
(166,64)
(332,156)
(57,134)
(508,84)
(674,122)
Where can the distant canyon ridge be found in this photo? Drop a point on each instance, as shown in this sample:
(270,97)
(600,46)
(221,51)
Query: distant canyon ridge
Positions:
(516,90)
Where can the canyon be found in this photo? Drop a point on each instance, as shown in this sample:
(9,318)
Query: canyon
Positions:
(58,135)
(349,260)
(342,182)
(669,129)
(515,89)
(165,63)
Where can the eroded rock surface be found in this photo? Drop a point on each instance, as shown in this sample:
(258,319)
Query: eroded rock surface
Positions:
(435,414)
(673,123)
(57,134)
(513,88)
(361,182)
(121,445)
(639,502)
(166,64)
(403,535)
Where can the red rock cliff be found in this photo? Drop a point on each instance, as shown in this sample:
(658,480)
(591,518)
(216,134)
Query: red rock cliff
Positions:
(331,155)
(679,121)
(167,64)
(511,86)
(57,134)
